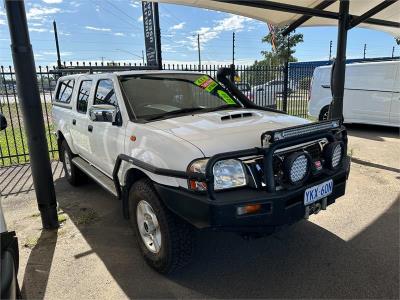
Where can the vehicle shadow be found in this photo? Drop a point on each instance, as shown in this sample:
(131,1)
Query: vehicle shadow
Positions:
(304,261)
(372,132)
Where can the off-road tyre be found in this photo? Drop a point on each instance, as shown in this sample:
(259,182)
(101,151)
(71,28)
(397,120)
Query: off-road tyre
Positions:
(73,174)
(177,236)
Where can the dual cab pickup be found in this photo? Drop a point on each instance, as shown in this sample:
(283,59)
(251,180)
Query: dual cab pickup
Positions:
(184,151)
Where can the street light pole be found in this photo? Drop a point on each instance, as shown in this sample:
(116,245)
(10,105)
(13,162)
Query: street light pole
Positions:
(198,49)
(29,98)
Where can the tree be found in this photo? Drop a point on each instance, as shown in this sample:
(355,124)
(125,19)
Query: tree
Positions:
(282,51)
(397,40)
(267,69)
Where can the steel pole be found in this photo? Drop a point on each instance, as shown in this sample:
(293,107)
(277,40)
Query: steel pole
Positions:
(57,45)
(198,49)
(339,72)
(29,99)
(158,34)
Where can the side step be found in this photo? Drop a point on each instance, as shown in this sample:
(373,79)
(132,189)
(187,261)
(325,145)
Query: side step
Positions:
(104,181)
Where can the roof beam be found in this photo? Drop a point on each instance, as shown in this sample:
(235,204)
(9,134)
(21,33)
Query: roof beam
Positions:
(382,22)
(373,11)
(300,21)
(294,9)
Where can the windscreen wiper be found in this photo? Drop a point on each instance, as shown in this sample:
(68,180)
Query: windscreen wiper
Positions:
(175,112)
(222,107)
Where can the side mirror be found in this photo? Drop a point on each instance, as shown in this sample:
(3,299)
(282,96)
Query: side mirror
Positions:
(105,113)
(3,122)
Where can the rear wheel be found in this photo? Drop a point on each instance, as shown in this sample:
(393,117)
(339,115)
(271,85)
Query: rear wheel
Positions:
(324,114)
(165,240)
(73,174)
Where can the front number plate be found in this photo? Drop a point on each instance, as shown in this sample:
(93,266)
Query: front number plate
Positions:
(318,192)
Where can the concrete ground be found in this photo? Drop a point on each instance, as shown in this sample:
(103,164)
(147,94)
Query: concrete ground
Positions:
(349,251)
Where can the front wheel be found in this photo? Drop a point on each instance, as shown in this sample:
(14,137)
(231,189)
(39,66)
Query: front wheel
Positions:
(165,240)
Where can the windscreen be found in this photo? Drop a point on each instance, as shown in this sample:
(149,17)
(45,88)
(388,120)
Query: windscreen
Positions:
(157,95)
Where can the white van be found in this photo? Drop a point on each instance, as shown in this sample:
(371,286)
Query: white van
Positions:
(371,96)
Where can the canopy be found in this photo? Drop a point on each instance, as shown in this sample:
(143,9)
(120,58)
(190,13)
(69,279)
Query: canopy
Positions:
(262,10)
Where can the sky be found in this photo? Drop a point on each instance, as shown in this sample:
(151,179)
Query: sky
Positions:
(112,30)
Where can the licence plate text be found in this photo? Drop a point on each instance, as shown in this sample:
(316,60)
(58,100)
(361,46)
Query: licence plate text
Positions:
(318,192)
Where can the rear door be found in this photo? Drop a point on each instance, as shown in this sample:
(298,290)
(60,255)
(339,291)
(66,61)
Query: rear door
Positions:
(80,119)
(106,139)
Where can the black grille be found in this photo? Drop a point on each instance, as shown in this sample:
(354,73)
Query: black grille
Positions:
(257,164)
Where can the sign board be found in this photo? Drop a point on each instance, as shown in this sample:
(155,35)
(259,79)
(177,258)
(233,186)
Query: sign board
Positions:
(150,35)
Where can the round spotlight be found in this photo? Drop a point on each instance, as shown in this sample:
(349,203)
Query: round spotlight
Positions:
(333,154)
(297,167)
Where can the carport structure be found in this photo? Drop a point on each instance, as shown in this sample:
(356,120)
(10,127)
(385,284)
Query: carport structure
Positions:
(374,14)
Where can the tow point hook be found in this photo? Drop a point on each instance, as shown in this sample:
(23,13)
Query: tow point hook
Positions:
(315,208)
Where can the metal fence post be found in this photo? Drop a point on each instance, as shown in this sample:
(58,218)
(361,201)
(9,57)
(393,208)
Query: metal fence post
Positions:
(285,86)
(29,98)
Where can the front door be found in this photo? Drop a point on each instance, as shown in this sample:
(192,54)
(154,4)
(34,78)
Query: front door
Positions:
(106,139)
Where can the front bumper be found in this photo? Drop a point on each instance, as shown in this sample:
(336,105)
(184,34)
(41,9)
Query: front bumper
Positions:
(280,208)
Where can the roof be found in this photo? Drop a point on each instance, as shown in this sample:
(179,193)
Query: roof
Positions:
(281,18)
(136,72)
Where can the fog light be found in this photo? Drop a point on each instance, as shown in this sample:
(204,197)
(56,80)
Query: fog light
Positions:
(248,209)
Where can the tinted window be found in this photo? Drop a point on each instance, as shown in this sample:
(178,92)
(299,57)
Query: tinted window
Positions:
(83,96)
(105,93)
(64,91)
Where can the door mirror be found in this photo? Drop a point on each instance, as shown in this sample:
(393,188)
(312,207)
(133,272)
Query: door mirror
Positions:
(3,122)
(105,113)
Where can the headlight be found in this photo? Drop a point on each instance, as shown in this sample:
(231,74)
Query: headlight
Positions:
(227,174)
(198,166)
(333,154)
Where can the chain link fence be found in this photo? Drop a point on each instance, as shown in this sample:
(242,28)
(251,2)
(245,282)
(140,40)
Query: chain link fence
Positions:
(263,85)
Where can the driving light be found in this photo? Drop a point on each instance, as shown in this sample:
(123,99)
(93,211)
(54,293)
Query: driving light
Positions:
(297,167)
(229,174)
(333,154)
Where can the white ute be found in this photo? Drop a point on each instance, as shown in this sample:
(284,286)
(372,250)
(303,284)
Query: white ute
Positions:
(183,152)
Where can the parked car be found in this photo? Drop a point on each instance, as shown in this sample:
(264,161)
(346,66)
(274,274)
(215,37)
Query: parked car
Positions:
(371,95)
(183,152)
(9,252)
(245,88)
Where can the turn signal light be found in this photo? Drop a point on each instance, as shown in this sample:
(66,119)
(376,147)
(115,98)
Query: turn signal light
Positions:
(248,209)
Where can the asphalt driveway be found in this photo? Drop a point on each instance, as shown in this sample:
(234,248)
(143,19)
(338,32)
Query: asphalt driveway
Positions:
(349,251)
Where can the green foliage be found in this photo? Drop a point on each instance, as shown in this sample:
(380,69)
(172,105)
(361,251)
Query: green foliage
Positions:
(285,46)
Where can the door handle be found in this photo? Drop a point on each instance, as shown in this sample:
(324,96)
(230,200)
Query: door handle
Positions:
(73,122)
(90,128)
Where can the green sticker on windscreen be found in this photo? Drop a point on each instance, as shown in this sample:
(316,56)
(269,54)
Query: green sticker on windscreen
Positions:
(201,80)
(225,97)
(206,83)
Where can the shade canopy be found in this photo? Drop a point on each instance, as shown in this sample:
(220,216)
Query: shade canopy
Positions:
(261,10)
